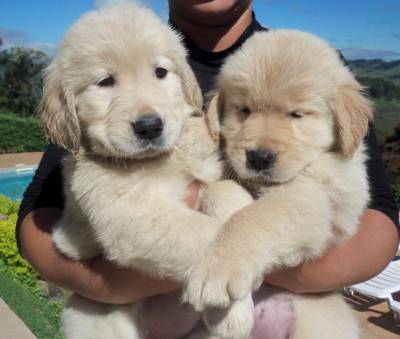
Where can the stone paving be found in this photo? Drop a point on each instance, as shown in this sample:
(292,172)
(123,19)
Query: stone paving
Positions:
(19,159)
(11,327)
(376,321)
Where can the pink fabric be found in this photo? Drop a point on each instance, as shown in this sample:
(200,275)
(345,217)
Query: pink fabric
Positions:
(164,317)
(273,313)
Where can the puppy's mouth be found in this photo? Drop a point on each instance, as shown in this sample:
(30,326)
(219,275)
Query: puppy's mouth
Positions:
(151,148)
(133,148)
(243,172)
(264,176)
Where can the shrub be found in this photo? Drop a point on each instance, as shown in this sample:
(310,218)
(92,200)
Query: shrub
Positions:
(15,266)
(20,134)
(381,88)
(7,206)
(19,286)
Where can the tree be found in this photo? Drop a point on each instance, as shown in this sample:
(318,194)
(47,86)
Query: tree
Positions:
(381,88)
(21,79)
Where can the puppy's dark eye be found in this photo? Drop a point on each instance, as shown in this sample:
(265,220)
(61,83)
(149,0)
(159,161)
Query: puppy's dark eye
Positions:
(161,72)
(106,82)
(246,111)
(296,115)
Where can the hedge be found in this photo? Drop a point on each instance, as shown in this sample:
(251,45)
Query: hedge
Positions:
(19,283)
(20,134)
(14,266)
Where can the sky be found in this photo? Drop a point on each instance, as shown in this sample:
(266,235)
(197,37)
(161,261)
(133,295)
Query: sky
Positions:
(359,28)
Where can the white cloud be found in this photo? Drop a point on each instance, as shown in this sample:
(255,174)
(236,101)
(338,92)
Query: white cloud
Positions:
(13,38)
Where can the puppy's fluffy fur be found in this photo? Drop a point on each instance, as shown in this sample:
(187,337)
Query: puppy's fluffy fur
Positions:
(287,94)
(125,193)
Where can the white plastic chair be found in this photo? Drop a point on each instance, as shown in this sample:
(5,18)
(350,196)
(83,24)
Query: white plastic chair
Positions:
(382,286)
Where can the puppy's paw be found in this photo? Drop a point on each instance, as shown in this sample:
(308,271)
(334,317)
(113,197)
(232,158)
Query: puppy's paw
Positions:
(215,284)
(234,322)
(206,287)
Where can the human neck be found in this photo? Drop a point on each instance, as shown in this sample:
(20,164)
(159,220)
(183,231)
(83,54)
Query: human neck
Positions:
(214,38)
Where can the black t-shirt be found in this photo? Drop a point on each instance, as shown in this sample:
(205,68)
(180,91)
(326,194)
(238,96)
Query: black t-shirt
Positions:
(46,188)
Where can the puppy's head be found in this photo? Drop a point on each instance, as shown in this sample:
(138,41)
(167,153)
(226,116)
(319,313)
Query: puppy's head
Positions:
(283,99)
(120,85)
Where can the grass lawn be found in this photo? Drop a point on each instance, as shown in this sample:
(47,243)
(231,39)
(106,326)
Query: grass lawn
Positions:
(40,315)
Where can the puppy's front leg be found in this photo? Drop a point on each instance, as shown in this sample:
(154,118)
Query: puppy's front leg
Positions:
(223,198)
(158,236)
(283,228)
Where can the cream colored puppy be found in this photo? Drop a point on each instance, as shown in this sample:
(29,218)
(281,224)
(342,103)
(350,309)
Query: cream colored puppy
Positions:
(292,119)
(122,99)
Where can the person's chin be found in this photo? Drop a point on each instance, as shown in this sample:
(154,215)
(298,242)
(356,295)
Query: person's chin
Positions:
(212,12)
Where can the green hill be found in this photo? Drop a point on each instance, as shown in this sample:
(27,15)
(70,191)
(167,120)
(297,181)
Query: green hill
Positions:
(377,68)
(382,78)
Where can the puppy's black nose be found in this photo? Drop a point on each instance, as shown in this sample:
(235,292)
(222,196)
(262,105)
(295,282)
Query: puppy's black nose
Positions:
(260,159)
(148,127)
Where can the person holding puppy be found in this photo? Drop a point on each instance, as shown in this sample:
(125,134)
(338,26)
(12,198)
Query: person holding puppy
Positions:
(212,30)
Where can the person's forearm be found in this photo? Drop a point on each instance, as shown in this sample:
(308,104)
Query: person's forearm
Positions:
(95,279)
(366,254)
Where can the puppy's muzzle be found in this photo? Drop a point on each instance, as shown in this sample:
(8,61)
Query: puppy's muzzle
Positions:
(148,127)
(260,159)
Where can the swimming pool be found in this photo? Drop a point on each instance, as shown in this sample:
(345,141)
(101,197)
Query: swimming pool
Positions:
(13,182)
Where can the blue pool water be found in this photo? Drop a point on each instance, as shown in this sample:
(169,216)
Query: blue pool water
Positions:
(14,182)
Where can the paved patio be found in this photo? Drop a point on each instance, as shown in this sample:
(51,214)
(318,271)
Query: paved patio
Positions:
(19,159)
(376,321)
(11,327)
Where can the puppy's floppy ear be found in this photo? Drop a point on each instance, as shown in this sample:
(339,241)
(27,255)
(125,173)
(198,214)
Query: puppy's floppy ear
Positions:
(190,86)
(214,108)
(57,111)
(353,111)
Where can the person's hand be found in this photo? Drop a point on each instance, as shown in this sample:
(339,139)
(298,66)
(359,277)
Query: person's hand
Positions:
(192,194)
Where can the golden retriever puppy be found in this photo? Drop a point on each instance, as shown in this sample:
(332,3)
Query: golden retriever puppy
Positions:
(292,118)
(122,99)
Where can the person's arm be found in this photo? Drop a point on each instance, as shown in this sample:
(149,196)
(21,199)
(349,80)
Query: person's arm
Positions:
(96,279)
(366,254)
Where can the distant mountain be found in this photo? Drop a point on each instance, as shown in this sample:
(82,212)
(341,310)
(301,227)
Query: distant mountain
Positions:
(377,68)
